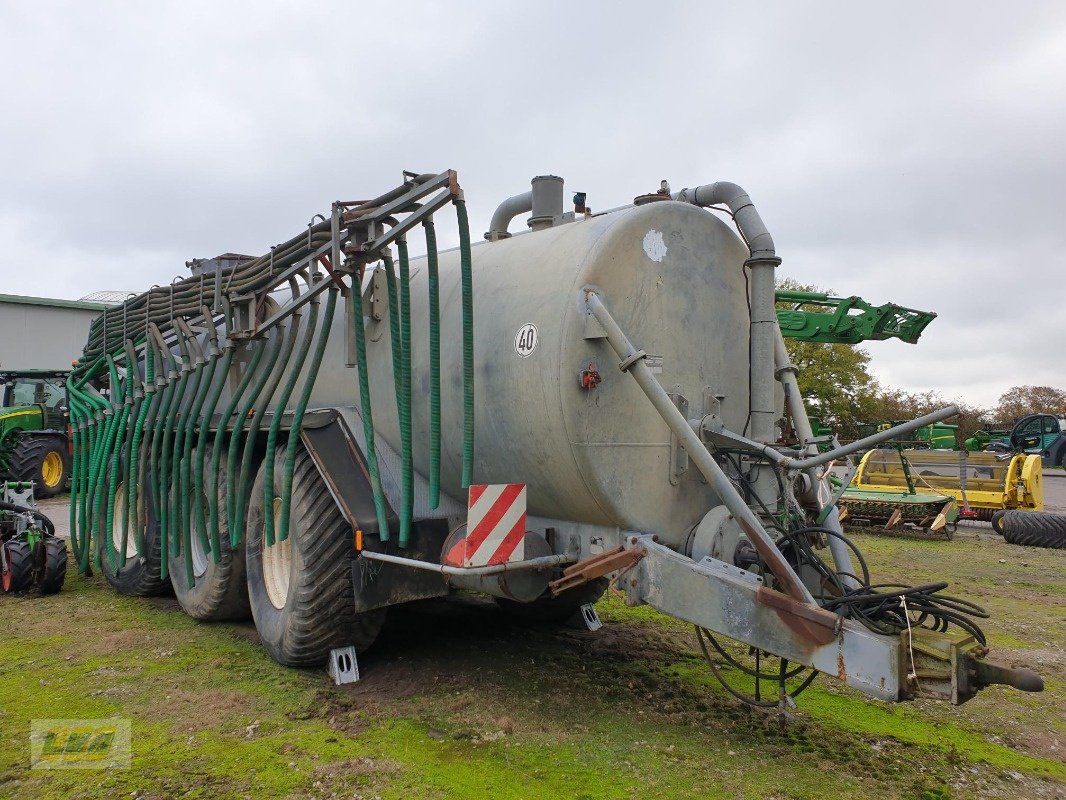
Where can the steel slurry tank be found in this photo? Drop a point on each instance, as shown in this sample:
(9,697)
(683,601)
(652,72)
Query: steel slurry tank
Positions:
(671,274)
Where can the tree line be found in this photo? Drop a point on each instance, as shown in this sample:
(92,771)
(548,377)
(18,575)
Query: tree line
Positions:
(838,388)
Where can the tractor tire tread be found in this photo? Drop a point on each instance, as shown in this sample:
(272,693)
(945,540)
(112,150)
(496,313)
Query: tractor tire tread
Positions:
(1035,529)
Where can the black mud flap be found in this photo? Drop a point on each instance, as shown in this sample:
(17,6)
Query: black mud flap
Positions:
(343,467)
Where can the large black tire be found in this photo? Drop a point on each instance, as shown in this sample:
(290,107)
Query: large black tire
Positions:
(52,566)
(301,589)
(139,577)
(219,590)
(548,609)
(997,521)
(1034,529)
(43,459)
(18,576)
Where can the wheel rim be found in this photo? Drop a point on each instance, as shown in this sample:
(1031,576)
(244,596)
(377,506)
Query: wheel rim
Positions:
(277,563)
(199,555)
(116,523)
(52,469)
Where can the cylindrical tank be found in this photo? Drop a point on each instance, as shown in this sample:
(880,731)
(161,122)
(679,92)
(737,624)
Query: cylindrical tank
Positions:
(669,272)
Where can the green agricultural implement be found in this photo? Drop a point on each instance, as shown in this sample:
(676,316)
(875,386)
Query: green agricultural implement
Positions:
(819,317)
(34,429)
(31,555)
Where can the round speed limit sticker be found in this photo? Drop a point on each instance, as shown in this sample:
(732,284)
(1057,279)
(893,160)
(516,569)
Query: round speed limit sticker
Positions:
(525,341)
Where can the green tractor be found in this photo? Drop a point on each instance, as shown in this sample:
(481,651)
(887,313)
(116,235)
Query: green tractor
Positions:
(34,429)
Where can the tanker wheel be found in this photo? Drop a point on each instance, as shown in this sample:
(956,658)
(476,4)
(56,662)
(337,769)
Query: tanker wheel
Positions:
(51,565)
(301,590)
(42,459)
(17,573)
(997,521)
(139,576)
(1035,529)
(548,609)
(219,589)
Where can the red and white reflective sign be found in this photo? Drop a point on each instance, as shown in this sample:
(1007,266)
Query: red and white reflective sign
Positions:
(495,526)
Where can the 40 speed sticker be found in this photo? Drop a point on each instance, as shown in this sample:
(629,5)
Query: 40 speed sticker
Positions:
(525,341)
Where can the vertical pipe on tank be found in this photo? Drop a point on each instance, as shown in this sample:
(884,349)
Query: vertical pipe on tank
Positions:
(763,328)
(763,316)
(547,205)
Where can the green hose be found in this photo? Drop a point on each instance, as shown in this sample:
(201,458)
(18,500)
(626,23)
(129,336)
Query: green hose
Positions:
(133,458)
(285,351)
(167,491)
(298,416)
(223,425)
(207,536)
(402,398)
(407,491)
(434,364)
(279,414)
(468,342)
(115,457)
(179,493)
(368,417)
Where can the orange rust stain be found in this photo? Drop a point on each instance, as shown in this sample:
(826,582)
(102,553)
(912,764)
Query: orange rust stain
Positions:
(842,669)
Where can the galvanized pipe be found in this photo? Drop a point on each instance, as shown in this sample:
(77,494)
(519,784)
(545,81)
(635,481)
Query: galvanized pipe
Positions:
(544,562)
(869,441)
(633,363)
(507,211)
(763,314)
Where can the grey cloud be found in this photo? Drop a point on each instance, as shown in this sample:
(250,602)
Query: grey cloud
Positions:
(909,152)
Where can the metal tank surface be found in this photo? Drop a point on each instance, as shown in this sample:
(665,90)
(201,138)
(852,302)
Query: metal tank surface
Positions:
(313,435)
(591,450)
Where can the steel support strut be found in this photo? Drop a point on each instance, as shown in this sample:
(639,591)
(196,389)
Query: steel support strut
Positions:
(632,361)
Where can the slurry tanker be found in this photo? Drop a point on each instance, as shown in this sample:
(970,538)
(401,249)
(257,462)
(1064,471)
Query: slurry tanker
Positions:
(333,427)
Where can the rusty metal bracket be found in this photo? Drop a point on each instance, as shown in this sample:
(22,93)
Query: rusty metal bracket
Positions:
(619,559)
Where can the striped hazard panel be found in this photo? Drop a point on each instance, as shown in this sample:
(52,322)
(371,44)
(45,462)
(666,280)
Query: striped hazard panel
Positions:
(495,526)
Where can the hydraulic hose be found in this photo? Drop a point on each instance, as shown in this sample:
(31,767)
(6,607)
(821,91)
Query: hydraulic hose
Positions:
(179,469)
(468,341)
(298,415)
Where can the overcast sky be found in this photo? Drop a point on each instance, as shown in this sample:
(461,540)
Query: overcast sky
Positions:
(906,152)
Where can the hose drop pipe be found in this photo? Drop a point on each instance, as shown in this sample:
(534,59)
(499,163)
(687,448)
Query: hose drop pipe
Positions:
(468,341)
(366,413)
(403,398)
(762,262)
(632,361)
(285,366)
(223,425)
(434,363)
(280,338)
(279,413)
(298,414)
(407,490)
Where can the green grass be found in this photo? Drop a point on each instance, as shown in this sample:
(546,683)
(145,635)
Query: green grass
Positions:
(457,701)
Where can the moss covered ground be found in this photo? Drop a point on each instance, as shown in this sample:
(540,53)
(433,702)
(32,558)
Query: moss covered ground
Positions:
(459,701)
